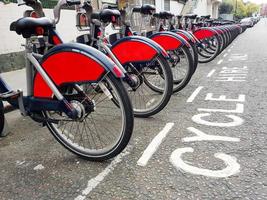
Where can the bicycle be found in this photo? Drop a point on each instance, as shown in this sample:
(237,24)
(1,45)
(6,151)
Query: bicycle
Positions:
(71,90)
(181,60)
(142,61)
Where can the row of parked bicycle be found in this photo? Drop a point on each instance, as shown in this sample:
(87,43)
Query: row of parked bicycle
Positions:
(88,94)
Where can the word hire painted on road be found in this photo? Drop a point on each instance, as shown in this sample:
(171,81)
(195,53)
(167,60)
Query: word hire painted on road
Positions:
(234,74)
(231,119)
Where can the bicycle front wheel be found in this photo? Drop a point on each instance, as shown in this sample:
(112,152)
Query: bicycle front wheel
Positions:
(106,127)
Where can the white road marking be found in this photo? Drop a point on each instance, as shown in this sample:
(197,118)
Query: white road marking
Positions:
(229,50)
(39,167)
(245,68)
(201,136)
(225,55)
(230,75)
(231,79)
(232,167)
(211,72)
(94,182)
(238,57)
(194,94)
(236,121)
(20,162)
(239,109)
(220,61)
(154,145)
(209,97)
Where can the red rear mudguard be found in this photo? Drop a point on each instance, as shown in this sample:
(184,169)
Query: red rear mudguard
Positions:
(203,33)
(72,63)
(168,40)
(186,35)
(136,49)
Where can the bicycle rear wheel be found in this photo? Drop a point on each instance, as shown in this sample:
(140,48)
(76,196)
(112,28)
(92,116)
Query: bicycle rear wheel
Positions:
(194,53)
(182,66)
(206,52)
(154,89)
(106,127)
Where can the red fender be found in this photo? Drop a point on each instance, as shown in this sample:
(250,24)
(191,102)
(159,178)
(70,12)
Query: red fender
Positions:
(168,40)
(183,36)
(130,49)
(204,33)
(65,64)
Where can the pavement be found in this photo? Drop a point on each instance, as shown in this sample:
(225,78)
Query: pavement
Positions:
(209,143)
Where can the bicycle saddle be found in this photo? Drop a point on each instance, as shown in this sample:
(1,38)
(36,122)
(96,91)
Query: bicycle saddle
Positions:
(145,9)
(191,16)
(205,16)
(28,26)
(106,15)
(163,15)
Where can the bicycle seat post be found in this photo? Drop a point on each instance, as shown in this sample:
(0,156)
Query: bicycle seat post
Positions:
(29,67)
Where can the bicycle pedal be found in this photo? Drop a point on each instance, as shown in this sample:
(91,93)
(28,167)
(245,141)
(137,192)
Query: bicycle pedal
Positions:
(10,95)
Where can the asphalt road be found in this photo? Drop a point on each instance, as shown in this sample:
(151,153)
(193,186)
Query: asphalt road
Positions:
(215,147)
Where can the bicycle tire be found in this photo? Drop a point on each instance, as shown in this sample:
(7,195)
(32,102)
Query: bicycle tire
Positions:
(166,92)
(195,54)
(190,68)
(210,58)
(125,135)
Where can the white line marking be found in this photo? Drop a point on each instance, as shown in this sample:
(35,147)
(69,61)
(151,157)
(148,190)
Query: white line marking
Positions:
(93,183)
(154,145)
(211,72)
(220,61)
(201,136)
(236,121)
(239,109)
(209,97)
(39,167)
(194,94)
(229,50)
(232,166)
(20,162)
(225,55)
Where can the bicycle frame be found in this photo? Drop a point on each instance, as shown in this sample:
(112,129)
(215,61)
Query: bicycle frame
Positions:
(119,51)
(44,74)
(28,103)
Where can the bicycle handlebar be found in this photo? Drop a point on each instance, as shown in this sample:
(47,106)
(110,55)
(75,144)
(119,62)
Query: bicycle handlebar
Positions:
(35,4)
(62,3)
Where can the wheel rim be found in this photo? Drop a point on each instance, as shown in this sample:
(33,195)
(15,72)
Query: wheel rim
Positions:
(151,92)
(100,131)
